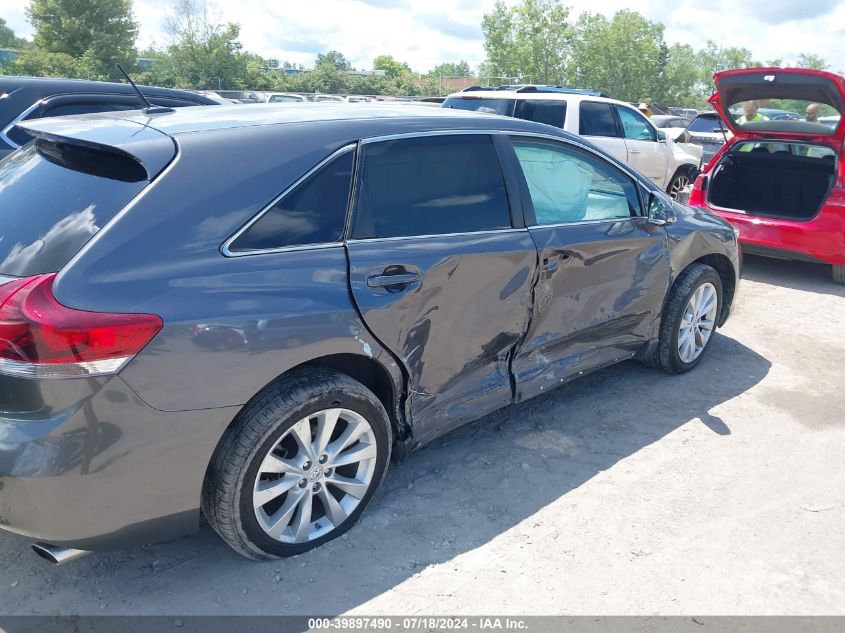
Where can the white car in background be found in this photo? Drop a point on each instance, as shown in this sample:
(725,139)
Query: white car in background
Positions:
(615,126)
(284,97)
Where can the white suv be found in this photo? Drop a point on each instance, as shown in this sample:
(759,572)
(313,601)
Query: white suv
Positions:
(613,125)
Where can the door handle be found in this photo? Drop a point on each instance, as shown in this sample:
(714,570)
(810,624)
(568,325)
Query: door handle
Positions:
(393,282)
(552,262)
(635,151)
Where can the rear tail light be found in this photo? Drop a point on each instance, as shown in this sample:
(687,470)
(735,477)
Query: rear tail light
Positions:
(696,196)
(41,338)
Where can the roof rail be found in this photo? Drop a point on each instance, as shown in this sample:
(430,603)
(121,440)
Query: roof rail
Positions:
(560,89)
(477,88)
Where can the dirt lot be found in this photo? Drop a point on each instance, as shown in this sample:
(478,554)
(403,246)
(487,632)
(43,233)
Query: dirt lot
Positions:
(627,492)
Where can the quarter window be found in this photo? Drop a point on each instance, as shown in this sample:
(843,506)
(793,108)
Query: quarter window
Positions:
(313,213)
(597,119)
(431,185)
(568,185)
(635,126)
(548,112)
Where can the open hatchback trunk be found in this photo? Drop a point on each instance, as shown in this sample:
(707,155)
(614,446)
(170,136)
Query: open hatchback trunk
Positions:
(783,158)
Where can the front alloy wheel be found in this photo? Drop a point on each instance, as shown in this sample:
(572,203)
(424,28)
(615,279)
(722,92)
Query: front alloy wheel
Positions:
(697,323)
(678,184)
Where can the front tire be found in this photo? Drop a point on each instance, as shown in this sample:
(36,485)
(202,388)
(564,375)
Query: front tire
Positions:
(679,181)
(298,466)
(839,275)
(689,320)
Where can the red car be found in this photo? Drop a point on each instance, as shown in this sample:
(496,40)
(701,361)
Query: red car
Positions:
(780,182)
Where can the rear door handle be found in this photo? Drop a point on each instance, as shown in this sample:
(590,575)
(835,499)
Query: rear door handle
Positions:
(398,280)
(552,262)
(635,151)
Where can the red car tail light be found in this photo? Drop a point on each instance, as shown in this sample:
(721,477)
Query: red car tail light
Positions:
(696,196)
(41,338)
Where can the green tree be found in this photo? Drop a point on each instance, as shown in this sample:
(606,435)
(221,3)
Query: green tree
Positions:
(101,31)
(35,62)
(8,39)
(450,69)
(204,53)
(809,60)
(333,59)
(680,80)
(392,67)
(623,56)
(530,41)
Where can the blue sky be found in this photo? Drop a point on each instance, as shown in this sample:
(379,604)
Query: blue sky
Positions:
(426,32)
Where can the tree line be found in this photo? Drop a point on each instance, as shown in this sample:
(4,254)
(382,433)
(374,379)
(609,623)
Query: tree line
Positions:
(533,41)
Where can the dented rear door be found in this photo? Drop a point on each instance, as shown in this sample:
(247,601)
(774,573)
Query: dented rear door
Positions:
(439,272)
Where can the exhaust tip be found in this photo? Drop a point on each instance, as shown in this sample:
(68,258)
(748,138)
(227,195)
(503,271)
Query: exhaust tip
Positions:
(55,554)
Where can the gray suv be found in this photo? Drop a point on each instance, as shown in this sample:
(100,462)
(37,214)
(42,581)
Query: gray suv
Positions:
(246,311)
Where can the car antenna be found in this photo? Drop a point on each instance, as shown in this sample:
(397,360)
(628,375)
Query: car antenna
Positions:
(149,108)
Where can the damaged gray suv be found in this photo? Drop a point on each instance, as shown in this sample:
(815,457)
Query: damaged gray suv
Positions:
(246,311)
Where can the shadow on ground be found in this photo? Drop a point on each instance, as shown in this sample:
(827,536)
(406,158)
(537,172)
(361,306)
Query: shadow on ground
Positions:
(791,274)
(457,494)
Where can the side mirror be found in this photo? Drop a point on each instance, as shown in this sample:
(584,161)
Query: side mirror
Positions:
(660,212)
(661,135)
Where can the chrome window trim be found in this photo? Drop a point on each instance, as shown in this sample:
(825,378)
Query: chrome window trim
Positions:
(405,135)
(4,134)
(225,248)
(398,238)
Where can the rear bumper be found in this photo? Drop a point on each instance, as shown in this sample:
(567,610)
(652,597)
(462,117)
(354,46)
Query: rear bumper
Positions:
(821,239)
(104,470)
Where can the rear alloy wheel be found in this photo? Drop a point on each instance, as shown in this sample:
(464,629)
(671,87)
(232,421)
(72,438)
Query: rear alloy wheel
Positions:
(839,274)
(677,185)
(298,466)
(308,483)
(690,318)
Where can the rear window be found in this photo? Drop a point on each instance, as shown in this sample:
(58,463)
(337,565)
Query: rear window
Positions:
(480,104)
(548,112)
(709,124)
(314,212)
(597,119)
(53,199)
(784,115)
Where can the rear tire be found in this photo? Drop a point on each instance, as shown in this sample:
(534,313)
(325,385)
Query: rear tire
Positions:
(298,465)
(683,320)
(839,275)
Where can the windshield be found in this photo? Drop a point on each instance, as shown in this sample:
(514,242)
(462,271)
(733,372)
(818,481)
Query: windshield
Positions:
(53,201)
(708,124)
(481,104)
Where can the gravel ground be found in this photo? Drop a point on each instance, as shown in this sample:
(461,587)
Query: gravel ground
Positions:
(626,492)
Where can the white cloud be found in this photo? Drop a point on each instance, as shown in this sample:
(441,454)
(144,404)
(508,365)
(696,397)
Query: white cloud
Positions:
(427,32)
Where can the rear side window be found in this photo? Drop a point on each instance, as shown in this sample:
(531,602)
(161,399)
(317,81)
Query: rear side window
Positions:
(597,119)
(476,104)
(431,185)
(54,199)
(312,213)
(548,112)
